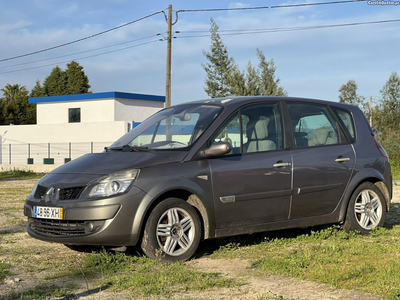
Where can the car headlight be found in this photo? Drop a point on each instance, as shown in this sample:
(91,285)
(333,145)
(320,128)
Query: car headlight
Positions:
(113,184)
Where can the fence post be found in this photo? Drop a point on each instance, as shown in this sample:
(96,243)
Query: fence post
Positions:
(29,160)
(9,152)
(91,147)
(48,160)
(68,159)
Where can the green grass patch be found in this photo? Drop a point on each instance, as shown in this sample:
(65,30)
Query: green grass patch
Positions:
(20,174)
(395,170)
(143,276)
(4,271)
(43,292)
(370,264)
(394,295)
(264,297)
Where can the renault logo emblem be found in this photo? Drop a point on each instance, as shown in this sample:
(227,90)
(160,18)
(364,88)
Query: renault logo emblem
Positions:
(49,194)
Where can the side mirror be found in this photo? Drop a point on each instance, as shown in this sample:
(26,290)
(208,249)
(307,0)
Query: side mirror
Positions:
(217,149)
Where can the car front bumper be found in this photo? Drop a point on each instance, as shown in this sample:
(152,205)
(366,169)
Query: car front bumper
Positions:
(108,222)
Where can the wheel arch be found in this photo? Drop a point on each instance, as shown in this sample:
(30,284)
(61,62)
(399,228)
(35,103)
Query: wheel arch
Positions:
(193,195)
(190,198)
(375,178)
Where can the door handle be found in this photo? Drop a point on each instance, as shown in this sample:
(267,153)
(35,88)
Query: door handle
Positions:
(281,165)
(342,159)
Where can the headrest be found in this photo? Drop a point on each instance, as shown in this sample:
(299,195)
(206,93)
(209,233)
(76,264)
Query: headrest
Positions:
(321,135)
(259,130)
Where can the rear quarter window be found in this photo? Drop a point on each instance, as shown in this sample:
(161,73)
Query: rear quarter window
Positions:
(346,118)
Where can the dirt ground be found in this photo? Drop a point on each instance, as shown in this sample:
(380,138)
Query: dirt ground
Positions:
(273,287)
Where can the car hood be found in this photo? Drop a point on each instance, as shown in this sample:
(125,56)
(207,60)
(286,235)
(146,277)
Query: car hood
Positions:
(109,162)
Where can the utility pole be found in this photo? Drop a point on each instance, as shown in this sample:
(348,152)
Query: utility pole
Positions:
(370,111)
(168,127)
(169,44)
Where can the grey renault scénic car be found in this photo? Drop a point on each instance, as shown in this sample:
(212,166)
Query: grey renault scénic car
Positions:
(216,168)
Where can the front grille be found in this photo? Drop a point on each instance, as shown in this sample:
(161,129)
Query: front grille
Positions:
(57,227)
(40,191)
(71,193)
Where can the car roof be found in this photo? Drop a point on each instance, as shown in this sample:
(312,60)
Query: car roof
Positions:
(240,100)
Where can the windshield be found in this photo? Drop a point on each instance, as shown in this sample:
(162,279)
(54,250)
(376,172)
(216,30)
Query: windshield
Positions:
(172,128)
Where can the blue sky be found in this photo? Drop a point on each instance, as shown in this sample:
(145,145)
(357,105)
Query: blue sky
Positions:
(310,63)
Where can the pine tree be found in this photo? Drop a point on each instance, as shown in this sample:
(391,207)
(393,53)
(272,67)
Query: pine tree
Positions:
(224,78)
(269,85)
(236,80)
(77,81)
(252,81)
(56,83)
(37,90)
(218,67)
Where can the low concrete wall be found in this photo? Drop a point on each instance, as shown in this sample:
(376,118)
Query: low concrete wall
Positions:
(32,168)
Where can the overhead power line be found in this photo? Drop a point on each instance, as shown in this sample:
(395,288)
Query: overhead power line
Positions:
(76,53)
(282,29)
(77,59)
(187,10)
(81,39)
(269,7)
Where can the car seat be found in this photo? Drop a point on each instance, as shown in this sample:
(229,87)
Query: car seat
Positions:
(257,134)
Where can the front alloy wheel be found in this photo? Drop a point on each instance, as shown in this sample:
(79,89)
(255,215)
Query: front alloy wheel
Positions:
(172,232)
(366,210)
(175,231)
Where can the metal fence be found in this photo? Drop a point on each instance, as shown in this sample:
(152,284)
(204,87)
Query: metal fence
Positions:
(47,153)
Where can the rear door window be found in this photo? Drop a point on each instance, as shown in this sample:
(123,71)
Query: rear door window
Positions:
(313,125)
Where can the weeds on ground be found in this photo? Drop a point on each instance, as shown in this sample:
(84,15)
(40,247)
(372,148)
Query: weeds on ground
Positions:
(344,260)
(43,292)
(4,271)
(394,295)
(143,276)
(20,174)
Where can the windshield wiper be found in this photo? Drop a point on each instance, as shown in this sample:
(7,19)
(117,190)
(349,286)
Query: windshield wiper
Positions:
(128,148)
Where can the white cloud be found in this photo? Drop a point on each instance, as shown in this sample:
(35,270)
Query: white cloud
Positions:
(67,11)
(310,63)
(13,26)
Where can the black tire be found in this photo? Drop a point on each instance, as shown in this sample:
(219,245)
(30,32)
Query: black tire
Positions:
(366,209)
(172,232)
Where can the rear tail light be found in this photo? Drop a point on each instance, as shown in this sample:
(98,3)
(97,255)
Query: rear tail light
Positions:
(381,150)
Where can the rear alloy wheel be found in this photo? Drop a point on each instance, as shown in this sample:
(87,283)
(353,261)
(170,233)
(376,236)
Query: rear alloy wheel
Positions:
(366,210)
(172,231)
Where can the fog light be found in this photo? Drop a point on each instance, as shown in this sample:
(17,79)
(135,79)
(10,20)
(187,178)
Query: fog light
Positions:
(89,226)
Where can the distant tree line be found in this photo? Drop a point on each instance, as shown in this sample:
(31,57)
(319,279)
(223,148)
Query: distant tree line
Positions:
(385,115)
(15,107)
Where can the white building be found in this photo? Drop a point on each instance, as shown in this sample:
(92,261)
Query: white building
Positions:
(71,125)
